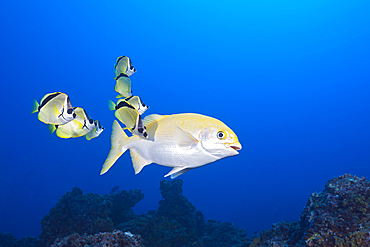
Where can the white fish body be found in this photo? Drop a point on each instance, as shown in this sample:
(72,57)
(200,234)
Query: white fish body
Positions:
(181,141)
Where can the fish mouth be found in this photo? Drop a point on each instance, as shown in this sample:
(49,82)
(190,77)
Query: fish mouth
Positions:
(236,146)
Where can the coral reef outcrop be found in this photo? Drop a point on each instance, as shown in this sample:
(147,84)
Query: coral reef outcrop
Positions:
(9,240)
(337,217)
(87,213)
(113,239)
(178,223)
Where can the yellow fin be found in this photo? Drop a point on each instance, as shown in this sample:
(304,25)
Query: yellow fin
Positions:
(51,128)
(138,161)
(177,171)
(152,118)
(35,106)
(117,149)
(111,105)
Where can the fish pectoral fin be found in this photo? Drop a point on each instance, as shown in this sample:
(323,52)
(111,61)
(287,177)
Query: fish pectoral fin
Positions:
(183,138)
(138,161)
(177,171)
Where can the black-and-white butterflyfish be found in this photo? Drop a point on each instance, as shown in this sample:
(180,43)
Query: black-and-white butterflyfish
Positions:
(123,86)
(129,116)
(124,65)
(79,126)
(96,131)
(54,108)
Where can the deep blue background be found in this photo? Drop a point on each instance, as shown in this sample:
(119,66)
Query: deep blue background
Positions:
(291,78)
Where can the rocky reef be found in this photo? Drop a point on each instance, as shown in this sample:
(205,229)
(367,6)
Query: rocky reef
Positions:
(339,216)
(116,238)
(88,213)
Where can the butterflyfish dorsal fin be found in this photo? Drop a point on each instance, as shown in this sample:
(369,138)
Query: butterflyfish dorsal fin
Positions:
(183,138)
(138,161)
(177,171)
(152,118)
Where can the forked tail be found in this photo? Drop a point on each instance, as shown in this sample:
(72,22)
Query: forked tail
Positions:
(117,149)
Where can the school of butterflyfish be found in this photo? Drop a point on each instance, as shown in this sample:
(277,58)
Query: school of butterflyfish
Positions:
(55,110)
(182,141)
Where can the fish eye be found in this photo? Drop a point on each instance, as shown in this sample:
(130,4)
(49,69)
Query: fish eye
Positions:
(69,111)
(221,135)
(91,121)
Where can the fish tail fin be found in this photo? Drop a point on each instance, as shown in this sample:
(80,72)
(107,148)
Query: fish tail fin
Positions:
(35,106)
(111,105)
(51,128)
(117,139)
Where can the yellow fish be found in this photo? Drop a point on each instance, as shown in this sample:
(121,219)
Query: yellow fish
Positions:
(124,65)
(181,141)
(123,86)
(79,126)
(129,116)
(96,131)
(54,108)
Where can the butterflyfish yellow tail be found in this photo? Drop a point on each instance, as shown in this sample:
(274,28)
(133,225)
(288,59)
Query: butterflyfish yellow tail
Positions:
(35,106)
(111,105)
(51,128)
(117,140)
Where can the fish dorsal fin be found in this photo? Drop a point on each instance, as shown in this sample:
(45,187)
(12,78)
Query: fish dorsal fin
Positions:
(183,138)
(138,161)
(177,171)
(152,118)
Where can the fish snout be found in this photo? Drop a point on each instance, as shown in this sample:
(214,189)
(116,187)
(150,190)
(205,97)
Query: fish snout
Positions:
(236,146)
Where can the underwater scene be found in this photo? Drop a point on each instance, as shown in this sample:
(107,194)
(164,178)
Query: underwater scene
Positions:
(185,123)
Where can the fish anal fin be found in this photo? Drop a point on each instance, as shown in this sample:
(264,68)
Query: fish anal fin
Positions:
(183,138)
(138,161)
(177,171)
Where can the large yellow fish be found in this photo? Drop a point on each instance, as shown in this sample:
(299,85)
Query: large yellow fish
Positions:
(181,141)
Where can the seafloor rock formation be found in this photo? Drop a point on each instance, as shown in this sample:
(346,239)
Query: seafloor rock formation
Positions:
(177,223)
(9,240)
(337,217)
(116,238)
(87,213)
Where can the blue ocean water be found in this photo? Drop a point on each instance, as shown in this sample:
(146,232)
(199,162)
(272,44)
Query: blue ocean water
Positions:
(291,78)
